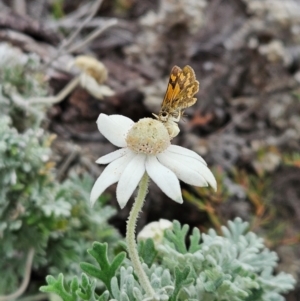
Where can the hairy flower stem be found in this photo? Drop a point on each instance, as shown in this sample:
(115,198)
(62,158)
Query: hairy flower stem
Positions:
(130,236)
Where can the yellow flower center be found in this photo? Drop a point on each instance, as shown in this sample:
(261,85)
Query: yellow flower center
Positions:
(148,136)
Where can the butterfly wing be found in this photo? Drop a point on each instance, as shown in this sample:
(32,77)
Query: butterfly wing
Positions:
(186,97)
(181,88)
(173,89)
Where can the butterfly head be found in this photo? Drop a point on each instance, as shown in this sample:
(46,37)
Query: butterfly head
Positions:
(163,116)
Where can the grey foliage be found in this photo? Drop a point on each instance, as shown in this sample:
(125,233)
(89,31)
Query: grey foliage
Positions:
(36,211)
(233,267)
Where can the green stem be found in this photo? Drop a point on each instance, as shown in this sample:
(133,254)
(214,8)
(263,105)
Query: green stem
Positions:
(130,236)
(60,96)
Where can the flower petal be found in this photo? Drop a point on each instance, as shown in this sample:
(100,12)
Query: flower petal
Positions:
(113,156)
(114,128)
(164,178)
(184,172)
(186,152)
(110,175)
(192,163)
(130,179)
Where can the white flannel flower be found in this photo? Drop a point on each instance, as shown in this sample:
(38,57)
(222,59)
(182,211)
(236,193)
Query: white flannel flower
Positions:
(155,230)
(93,74)
(145,147)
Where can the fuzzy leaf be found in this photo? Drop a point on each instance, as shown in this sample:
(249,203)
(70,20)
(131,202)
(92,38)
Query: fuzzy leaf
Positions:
(147,251)
(235,229)
(86,291)
(57,286)
(107,270)
(104,296)
(182,280)
(195,241)
(177,236)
